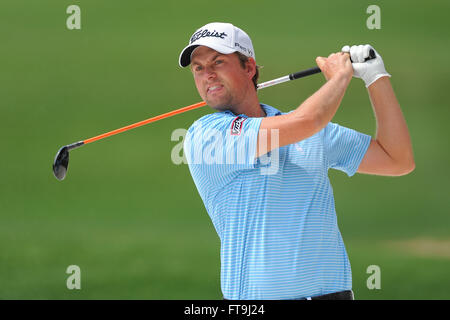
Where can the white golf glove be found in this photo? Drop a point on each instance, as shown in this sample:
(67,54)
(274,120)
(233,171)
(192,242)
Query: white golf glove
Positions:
(370,70)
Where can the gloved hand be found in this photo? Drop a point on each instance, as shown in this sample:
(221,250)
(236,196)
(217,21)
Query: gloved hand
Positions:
(370,70)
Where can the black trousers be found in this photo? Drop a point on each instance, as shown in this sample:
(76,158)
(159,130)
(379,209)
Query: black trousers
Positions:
(341,295)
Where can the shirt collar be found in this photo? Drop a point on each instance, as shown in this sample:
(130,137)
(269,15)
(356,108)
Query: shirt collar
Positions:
(270,111)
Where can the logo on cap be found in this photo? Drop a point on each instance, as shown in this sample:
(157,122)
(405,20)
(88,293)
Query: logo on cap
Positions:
(222,37)
(206,33)
(238,45)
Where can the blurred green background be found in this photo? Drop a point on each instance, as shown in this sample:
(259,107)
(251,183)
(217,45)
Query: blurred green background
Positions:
(130,218)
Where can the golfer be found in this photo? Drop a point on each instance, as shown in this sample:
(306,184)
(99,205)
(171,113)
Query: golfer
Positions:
(263,174)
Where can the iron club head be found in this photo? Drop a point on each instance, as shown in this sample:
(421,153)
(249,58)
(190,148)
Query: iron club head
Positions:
(61,163)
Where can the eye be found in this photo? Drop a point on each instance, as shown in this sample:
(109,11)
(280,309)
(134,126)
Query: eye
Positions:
(218,61)
(198,68)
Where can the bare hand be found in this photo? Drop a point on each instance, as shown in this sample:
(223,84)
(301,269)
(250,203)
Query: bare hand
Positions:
(337,64)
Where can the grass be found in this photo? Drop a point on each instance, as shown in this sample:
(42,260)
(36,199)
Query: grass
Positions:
(131,219)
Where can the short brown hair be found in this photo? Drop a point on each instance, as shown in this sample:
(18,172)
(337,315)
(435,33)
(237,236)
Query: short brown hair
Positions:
(243,59)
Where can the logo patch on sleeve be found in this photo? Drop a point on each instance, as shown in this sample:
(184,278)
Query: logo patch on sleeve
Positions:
(236,126)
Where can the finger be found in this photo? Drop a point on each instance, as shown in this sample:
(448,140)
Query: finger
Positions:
(346,54)
(346,49)
(353,51)
(359,54)
(320,62)
(356,54)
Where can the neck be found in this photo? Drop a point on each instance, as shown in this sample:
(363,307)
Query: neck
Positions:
(250,107)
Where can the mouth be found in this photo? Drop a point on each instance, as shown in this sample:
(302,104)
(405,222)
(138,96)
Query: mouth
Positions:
(214,89)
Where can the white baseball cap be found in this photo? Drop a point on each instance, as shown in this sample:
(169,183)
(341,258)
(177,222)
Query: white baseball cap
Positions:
(222,37)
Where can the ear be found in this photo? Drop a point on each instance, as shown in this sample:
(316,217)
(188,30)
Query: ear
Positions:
(251,68)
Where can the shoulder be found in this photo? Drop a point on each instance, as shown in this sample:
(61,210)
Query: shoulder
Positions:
(209,125)
(331,129)
(331,126)
(213,120)
(335,130)
(331,132)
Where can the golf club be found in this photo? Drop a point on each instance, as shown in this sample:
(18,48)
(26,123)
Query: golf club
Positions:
(61,161)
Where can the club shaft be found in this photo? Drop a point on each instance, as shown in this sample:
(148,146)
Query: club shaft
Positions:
(292,76)
(144,122)
(266,84)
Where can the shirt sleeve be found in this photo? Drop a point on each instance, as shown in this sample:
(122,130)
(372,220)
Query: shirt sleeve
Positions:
(218,147)
(344,148)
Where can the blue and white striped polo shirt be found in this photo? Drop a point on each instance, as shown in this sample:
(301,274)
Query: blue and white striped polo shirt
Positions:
(275,215)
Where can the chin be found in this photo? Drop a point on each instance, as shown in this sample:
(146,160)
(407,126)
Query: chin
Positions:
(219,106)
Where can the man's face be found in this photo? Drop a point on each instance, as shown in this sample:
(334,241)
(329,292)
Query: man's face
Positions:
(220,79)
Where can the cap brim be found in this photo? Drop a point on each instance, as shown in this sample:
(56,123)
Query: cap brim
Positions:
(185,56)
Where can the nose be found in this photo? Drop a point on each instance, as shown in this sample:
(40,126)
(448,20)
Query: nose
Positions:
(210,72)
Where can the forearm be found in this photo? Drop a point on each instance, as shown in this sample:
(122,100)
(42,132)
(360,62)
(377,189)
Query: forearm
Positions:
(321,107)
(392,131)
(313,114)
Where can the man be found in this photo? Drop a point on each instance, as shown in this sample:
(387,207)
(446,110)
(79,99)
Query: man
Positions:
(278,230)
